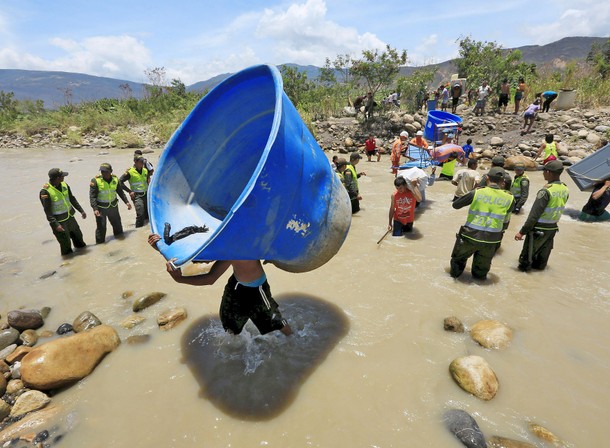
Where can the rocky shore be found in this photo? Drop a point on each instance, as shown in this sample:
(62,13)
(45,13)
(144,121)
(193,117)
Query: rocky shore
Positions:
(37,362)
(577,132)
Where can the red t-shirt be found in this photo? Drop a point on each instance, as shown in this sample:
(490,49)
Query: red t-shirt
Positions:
(370,144)
(404,207)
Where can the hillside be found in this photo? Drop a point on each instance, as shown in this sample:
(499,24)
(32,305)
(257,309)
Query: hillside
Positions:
(58,88)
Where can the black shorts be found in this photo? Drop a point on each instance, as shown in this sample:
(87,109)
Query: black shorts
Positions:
(240,303)
(503,100)
(374,152)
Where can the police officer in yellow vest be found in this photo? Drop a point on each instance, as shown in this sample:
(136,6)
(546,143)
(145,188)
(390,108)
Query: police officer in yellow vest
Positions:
(350,180)
(139,179)
(520,187)
(59,204)
(490,209)
(541,225)
(103,191)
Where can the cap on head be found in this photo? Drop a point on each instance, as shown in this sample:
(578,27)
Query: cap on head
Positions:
(497,161)
(355,155)
(496,174)
(419,133)
(138,158)
(55,173)
(554,166)
(138,152)
(341,162)
(404,134)
(106,167)
(519,166)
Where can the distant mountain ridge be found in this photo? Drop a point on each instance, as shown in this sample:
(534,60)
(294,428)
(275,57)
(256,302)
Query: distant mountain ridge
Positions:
(59,88)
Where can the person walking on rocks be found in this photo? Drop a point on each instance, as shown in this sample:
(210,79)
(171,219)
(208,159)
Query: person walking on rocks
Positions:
(482,93)
(59,203)
(138,178)
(519,94)
(504,95)
(549,148)
(480,237)
(541,225)
(520,187)
(456,93)
(548,97)
(247,294)
(529,116)
(103,191)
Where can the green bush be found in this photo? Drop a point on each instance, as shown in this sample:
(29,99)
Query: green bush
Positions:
(126,139)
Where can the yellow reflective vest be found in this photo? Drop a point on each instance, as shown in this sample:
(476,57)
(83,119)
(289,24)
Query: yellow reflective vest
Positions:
(106,191)
(559,195)
(488,213)
(60,202)
(138,181)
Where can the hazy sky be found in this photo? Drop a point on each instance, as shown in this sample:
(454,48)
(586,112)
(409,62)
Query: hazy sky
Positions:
(197,39)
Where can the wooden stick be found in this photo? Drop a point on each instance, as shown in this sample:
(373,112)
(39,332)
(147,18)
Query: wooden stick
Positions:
(384,235)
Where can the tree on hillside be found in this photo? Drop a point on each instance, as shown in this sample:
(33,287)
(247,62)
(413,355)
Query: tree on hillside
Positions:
(157,80)
(488,61)
(295,83)
(599,58)
(8,107)
(410,86)
(378,69)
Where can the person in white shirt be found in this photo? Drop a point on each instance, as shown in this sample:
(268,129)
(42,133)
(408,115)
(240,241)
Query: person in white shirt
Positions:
(482,93)
(466,180)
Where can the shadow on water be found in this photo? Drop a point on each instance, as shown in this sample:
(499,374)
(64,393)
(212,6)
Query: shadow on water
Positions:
(256,377)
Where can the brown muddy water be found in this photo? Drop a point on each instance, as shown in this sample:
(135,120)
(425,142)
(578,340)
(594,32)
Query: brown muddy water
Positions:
(368,363)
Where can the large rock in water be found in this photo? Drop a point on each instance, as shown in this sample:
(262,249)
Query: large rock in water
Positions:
(474,375)
(503,442)
(530,164)
(491,334)
(465,428)
(66,360)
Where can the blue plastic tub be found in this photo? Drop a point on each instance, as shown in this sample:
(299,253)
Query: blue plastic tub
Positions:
(244,165)
(436,117)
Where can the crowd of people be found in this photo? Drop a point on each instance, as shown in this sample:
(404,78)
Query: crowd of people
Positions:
(491,200)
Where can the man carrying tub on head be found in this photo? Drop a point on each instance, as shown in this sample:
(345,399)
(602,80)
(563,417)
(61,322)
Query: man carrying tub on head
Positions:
(247,294)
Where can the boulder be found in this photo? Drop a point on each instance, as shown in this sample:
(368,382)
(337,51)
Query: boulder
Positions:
(562,149)
(474,375)
(25,319)
(452,323)
(29,401)
(530,165)
(8,337)
(85,321)
(63,361)
(170,318)
(544,434)
(30,423)
(581,154)
(593,138)
(465,428)
(496,142)
(491,334)
(148,300)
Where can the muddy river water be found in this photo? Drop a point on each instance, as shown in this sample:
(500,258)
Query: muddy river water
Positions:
(368,363)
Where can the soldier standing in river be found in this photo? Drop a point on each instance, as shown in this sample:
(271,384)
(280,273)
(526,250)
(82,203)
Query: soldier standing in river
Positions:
(139,178)
(103,191)
(59,203)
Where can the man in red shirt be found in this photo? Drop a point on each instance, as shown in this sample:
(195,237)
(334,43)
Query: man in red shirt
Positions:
(371,148)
